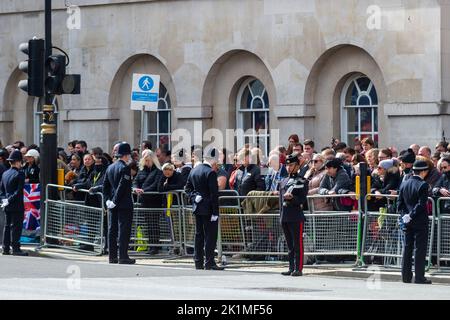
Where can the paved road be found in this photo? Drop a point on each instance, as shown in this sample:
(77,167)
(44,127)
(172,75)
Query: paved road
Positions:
(45,278)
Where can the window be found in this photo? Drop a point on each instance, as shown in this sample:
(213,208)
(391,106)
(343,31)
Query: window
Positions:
(253,114)
(157,124)
(359,110)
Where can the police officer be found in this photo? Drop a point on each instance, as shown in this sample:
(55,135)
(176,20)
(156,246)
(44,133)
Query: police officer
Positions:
(293,191)
(11,191)
(117,194)
(203,190)
(412,206)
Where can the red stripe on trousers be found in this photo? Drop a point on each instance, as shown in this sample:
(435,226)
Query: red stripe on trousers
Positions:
(301,247)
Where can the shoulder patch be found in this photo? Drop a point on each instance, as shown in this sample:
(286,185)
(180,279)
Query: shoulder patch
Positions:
(126,177)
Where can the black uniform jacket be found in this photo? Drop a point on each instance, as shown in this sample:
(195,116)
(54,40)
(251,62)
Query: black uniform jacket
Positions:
(11,188)
(292,210)
(412,199)
(203,181)
(117,185)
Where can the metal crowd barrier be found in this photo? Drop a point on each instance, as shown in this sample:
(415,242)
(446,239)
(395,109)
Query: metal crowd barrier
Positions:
(259,236)
(73,226)
(443,242)
(155,228)
(244,230)
(331,233)
(383,240)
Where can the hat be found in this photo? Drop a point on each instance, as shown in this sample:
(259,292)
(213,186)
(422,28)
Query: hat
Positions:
(386,164)
(124,149)
(32,153)
(212,154)
(407,156)
(16,155)
(292,158)
(333,163)
(420,165)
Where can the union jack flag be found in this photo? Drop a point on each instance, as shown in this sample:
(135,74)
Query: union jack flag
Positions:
(32,202)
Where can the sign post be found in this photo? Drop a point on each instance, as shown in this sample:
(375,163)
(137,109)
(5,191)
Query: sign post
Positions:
(144,95)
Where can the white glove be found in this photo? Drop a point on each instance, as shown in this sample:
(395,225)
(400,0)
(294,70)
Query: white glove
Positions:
(198,198)
(214,218)
(5,203)
(110,204)
(406,218)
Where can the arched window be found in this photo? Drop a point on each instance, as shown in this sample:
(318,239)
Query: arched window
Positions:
(253,114)
(359,110)
(157,124)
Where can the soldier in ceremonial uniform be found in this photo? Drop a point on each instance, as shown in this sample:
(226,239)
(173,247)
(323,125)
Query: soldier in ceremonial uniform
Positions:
(11,191)
(203,190)
(293,191)
(117,194)
(412,206)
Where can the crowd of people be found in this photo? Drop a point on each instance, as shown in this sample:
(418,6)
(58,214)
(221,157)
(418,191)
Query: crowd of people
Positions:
(329,171)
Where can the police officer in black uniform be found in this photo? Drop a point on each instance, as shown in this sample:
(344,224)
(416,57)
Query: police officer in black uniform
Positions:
(11,191)
(412,206)
(293,191)
(117,194)
(203,190)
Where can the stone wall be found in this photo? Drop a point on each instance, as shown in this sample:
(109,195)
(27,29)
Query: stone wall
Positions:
(302,50)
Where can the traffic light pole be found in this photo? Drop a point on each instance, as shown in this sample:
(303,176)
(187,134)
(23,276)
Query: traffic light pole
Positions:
(48,138)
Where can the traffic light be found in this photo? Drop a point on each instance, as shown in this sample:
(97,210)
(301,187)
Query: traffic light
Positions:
(34,67)
(56,68)
(57,81)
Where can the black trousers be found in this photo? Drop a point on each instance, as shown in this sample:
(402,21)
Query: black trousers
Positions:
(119,226)
(415,236)
(293,232)
(205,240)
(105,231)
(12,230)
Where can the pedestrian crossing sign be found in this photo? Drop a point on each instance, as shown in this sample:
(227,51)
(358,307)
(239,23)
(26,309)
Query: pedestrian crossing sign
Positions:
(145,92)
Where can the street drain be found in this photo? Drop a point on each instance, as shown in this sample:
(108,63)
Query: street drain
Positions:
(284,289)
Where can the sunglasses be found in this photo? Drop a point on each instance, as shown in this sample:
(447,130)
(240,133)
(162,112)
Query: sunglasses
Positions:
(316,161)
(444,168)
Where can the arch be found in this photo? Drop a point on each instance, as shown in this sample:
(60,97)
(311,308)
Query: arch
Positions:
(225,78)
(17,113)
(326,81)
(125,124)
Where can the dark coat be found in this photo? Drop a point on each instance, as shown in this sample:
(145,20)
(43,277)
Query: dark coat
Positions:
(83,179)
(31,173)
(13,181)
(391,182)
(252,181)
(432,178)
(185,170)
(175,182)
(341,184)
(3,169)
(412,199)
(148,180)
(292,210)
(117,185)
(202,181)
(444,182)
(95,181)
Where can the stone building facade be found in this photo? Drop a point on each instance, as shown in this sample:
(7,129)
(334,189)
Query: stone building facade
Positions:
(317,68)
